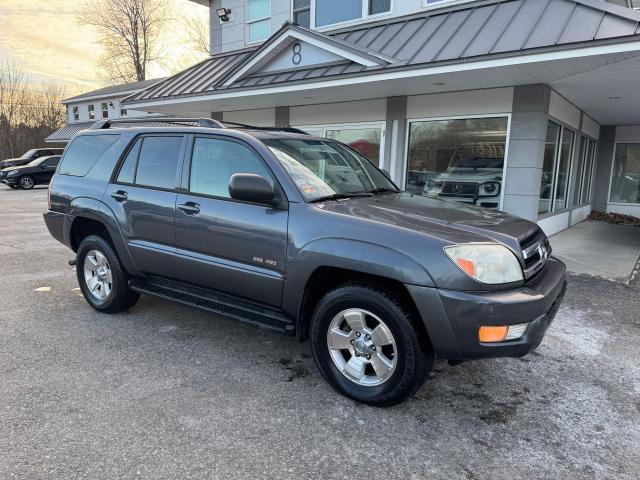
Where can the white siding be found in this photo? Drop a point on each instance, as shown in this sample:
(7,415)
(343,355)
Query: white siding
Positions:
(265,117)
(590,127)
(346,112)
(562,110)
(472,102)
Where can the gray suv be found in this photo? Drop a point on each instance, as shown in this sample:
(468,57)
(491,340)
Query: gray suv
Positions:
(304,236)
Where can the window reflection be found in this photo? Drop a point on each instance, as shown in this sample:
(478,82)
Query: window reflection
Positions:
(460,160)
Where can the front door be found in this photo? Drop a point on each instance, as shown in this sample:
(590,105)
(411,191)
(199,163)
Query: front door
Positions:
(47,169)
(143,198)
(224,244)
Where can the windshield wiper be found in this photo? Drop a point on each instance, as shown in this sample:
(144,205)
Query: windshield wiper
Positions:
(378,191)
(341,196)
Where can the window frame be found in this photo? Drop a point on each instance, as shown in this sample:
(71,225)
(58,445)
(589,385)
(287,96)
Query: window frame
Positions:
(104,109)
(185,183)
(248,23)
(364,15)
(92,111)
(588,165)
(407,137)
(613,166)
(75,111)
(132,144)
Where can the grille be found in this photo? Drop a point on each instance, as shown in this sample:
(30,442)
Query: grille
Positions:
(536,250)
(459,189)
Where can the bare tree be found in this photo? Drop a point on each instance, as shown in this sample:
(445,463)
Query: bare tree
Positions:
(197,31)
(29,111)
(130,32)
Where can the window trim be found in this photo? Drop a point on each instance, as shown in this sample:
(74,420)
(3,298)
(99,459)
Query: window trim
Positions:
(444,3)
(185,184)
(352,126)
(92,111)
(405,164)
(579,185)
(75,111)
(132,143)
(248,23)
(365,16)
(104,108)
(613,164)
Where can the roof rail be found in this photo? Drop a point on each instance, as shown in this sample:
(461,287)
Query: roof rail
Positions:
(199,122)
(267,129)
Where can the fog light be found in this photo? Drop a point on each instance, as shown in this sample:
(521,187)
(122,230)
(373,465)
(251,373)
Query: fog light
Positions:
(501,333)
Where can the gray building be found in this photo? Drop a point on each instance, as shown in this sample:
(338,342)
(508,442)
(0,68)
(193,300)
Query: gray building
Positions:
(102,104)
(530,106)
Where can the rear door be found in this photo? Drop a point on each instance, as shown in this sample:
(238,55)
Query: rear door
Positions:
(223,244)
(47,169)
(143,197)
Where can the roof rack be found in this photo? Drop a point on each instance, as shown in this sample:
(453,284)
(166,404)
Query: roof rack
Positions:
(198,122)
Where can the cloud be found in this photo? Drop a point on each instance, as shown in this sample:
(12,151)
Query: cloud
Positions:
(46,40)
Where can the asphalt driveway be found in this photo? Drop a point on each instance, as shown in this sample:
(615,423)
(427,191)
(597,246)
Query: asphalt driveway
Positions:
(165,391)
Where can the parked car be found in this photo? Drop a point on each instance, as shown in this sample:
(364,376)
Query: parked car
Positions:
(30,156)
(36,172)
(304,236)
(474,176)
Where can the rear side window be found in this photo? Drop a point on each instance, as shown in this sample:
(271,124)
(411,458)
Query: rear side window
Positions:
(152,162)
(84,152)
(215,161)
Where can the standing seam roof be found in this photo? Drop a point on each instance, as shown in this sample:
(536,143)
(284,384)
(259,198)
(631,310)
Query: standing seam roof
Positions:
(457,33)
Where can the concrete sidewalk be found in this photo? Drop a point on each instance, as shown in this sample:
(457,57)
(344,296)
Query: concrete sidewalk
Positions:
(599,248)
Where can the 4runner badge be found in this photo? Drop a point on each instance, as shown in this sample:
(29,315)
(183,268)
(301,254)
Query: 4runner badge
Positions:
(271,263)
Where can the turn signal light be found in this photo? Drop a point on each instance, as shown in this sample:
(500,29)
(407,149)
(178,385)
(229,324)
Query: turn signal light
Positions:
(467,266)
(493,334)
(502,333)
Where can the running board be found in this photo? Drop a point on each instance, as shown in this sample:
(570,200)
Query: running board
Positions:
(215,302)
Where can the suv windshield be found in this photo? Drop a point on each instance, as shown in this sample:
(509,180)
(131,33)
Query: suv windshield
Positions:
(326,169)
(29,153)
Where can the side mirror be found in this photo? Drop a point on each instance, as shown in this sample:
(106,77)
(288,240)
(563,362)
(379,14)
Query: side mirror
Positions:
(249,187)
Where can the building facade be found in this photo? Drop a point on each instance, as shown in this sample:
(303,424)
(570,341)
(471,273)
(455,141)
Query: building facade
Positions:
(528,106)
(102,104)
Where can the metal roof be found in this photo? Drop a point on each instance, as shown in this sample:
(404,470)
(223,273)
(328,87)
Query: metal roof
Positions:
(112,90)
(484,28)
(65,133)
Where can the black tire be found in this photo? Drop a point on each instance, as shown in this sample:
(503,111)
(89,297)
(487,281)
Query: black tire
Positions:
(26,182)
(121,297)
(414,354)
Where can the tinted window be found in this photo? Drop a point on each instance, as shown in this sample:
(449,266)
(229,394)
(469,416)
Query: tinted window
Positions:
(158,162)
(215,161)
(51,162)
(84,152)
(128,170)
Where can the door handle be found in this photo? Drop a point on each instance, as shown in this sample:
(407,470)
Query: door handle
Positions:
(119,196)
(190,208)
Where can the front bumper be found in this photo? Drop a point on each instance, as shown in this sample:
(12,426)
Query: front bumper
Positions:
(9,180)
(453,318)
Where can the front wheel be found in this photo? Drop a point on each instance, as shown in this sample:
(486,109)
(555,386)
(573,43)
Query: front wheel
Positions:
(102,279)
(26,182)
(366,344)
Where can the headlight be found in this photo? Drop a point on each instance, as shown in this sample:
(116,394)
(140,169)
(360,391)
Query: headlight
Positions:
(490,264)
(489,189)
(11,174)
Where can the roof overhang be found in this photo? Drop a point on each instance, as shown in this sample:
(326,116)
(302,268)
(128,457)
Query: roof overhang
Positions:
(569,71)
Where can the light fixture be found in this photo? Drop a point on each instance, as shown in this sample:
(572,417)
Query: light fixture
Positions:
(223,14)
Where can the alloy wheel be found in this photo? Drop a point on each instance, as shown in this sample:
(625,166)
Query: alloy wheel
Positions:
(26,183)
(97,275)
(362,347)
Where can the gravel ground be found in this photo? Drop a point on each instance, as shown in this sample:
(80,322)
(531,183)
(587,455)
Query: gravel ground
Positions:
(165,391)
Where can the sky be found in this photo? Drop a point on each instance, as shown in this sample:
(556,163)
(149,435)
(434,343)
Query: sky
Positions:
(45,39)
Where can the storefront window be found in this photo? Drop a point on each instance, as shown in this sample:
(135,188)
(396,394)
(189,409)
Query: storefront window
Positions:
(558,153)
(367,141)
(460,160)
(584,171)
(625,182)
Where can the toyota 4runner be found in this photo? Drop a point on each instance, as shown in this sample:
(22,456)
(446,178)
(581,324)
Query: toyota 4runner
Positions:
(304,236)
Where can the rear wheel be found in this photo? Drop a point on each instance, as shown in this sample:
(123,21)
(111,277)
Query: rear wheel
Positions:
(26,182)
(102,279)
(366,345)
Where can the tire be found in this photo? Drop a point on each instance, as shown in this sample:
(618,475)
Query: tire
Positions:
(406,361)
(112,295)
(26,182)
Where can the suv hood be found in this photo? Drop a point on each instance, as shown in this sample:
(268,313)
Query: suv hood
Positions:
(436,217)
